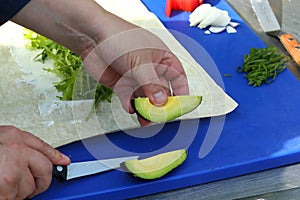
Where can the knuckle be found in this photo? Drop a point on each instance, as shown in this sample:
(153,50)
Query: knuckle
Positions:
(43,144)
(47,149)
(43,187)
(11,129)
(11,181)
(48,167)
(30,183)
(43,183)
(9,134)
(7,196)
(15,147)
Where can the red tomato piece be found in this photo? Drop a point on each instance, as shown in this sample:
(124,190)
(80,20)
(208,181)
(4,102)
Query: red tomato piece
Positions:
(184,5)
(168,8)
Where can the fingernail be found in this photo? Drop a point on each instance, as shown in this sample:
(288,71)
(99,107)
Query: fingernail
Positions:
(159,98)
(66,158)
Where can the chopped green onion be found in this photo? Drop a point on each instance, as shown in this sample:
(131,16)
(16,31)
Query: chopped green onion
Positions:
(262,65)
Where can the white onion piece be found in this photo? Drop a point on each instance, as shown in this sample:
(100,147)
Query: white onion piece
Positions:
(199,10)
(230,29)
(216,29)
(222,20)
(199,14)
(234,24)
(207,32)
(215,17)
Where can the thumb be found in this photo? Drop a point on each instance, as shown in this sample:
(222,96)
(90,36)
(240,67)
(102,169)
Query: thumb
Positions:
(153,88)
(156,93)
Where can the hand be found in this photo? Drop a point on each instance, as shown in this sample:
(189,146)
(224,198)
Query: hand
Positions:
(134,62)
(25,163)
(130,60)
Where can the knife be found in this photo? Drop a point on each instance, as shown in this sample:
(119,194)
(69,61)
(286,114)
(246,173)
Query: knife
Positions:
(270,25)
(79,169)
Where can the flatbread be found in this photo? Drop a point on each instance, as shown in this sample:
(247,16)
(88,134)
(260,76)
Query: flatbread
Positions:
(28,98)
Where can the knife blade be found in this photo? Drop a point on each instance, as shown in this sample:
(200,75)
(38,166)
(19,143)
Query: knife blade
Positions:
(270,26)
(79,169)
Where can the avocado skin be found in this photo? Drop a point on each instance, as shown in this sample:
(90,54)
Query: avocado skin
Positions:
(136,111)
(156,173)
(168,117)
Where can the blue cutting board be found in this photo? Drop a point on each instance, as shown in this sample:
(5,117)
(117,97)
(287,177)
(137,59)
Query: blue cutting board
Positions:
(262,133)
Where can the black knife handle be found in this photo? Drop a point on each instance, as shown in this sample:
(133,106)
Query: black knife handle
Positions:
(60,171)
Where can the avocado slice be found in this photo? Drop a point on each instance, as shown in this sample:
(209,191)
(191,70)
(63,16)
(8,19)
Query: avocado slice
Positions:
(156,166)
(173,108)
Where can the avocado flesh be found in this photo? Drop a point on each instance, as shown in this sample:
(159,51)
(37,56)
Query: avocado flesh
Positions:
(156,166)
(175,106)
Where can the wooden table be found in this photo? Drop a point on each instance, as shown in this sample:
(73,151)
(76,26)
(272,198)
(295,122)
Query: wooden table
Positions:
(279,180)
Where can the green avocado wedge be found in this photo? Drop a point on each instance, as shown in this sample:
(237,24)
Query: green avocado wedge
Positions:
(175,106)
(156,166)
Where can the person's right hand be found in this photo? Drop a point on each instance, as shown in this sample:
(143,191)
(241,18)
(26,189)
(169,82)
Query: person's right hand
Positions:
(134,62)
(25,164)
(136,67)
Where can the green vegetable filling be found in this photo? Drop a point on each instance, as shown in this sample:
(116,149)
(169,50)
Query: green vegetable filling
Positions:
(75,82)
(262,65)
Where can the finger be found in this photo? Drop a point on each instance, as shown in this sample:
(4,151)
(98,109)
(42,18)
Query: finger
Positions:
(9,181)
(156,93)
(143,121)
(147,78)
(41,169)
(122,86)
(100,71)
(56,157)
(140,91)
(16,180)
(171,68)
(26,185)
(180,85)
(127,89)
(124,89)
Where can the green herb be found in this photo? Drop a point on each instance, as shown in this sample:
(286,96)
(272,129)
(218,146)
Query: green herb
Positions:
(227,75)
(262,65)
(75,82)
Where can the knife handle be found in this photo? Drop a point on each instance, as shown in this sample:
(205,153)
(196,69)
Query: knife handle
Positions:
(292,46)
(60,171)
